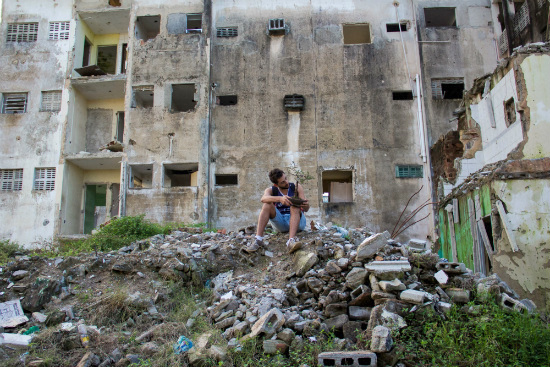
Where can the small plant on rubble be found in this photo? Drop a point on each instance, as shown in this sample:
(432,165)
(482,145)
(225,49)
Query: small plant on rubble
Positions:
(8,249)
(301,176)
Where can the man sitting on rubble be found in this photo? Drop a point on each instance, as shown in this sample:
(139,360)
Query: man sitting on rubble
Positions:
(284,216)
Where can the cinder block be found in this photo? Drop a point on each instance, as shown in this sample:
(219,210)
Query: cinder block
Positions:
(512,304)
(358,358)
(417,245)
(413,296)
(451,268)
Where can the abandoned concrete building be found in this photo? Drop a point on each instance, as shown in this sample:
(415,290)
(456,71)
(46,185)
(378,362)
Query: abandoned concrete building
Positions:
(178,110)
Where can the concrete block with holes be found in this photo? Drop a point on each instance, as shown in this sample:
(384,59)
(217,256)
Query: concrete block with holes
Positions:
(358,358)
(512,304)
(451,267)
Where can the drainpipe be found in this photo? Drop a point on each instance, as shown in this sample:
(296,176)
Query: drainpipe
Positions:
(420,119)
(211,88)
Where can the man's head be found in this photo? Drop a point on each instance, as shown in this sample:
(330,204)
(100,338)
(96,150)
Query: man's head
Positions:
(278,177)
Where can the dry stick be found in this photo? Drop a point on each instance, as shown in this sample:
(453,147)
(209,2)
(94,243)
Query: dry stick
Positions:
(413,213)
(421,219)
(405,208)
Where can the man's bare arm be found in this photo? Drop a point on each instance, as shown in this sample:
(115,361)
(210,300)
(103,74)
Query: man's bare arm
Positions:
(269,198)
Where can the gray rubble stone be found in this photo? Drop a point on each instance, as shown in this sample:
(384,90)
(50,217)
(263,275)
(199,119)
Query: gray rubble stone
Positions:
(268,324)
(412,296)
(391,286)
(356,277)
(303,261)
(371,245)
(458,295)
(381,341)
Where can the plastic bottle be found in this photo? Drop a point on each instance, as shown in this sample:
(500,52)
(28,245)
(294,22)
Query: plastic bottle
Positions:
(83,335)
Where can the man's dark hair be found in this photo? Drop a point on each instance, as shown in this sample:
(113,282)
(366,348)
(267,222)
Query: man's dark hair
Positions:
(275,174)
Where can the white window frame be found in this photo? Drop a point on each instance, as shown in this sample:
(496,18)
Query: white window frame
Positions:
(11,179)
(22,32)
(59,31)
(51,101)
(44,179)
(13,103)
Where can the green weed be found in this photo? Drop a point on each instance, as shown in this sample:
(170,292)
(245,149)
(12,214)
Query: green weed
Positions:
(7,250)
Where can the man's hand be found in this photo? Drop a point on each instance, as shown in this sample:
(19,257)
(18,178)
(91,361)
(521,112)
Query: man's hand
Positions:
(284,200)
(305,205)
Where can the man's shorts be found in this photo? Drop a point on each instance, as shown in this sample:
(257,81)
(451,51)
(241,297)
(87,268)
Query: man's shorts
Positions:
(281,222)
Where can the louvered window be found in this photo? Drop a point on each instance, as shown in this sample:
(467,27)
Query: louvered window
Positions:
(14,103)
(51,101)
(11,179)
(59,31)
(227,32)
(22,32)
(408,171)
(44,179)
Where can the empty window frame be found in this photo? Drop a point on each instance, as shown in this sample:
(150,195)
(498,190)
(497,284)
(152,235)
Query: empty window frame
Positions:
(123,59)
(180,174)
(357,33)
(13,103)
(194,23)
(408,171)
(106,58)
(227,32)
(44,179)
(396,27)
(402,95)
(119,126)
(183,97)
(141,176)
(143,96)
(276,26)
(147,27)
(227,100)
(11,179)
(227,180)
(86,52)
(337,186)
(510,111)
(440,17)
(22,32)
(451,88)
(59,31)
(51,101)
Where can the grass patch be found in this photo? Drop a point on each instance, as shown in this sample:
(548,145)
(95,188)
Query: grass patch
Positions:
(493,338)
(8,249)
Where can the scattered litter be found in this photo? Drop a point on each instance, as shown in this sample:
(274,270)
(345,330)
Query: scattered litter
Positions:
(32,330)
(11,314)
(183,345)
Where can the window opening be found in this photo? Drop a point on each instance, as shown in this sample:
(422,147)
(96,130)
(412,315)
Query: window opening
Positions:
(123,59)
(227,100)
(114,3)
(406,95)
(181,174)
(13,103)
(489,229)
(59,31)
(451,88)
(51,101)
(44,179)
(194,23)
(396,27)
(357,33)
(106,58)
(11,179)
(337,186)
(227,32)
(276,27)
(440,17)
(183,97)
(22,32)
(119,126)
(143,96)
(147,27)
(510,111)
(227,180)
(408,171)
(86,53)
(141,176)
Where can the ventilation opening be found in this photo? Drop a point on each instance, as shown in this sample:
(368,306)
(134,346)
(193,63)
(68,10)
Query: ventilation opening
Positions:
(227,32)
(337,186)
(365,361)
(106,58)
(408,171)
(452,88)
(147,27)
(226,180)
(357,34)
(44,179)
(143,97)
(227,100)
(13,103)
(396,27)
(440,17)
(406,95)
(183,97)
(294,102)
(141,176)
(510,111)
(329,362)
(180,174)
(194,23)
(276,27)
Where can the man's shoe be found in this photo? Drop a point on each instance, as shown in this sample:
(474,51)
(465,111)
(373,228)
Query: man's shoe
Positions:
(254,246)
(293,245)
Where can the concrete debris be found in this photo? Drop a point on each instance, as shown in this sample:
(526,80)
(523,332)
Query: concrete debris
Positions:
(11,314)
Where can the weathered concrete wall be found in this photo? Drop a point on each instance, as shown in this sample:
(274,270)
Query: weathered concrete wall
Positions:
(32,139)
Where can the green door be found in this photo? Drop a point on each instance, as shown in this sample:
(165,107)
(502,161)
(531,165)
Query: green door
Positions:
(95,195)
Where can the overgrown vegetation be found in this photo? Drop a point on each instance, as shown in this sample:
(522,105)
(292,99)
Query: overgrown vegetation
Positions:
(7,250)
(491,337)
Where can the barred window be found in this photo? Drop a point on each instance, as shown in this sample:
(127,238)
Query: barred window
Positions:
(59,31)
(51,101)
(11,179)
(227,32)
(14,103)
(408,171)
(44,179)
(22,32)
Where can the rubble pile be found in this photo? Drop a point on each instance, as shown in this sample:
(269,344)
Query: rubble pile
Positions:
(355,284)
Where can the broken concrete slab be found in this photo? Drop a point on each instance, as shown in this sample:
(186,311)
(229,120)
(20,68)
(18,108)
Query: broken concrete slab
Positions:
(388,270)
(371,245)
(412,296)
(268,324)
(303,261)
(458,295)
(418,245)
(11,314)
(15,340)
(441,277)
(356,277)
(391,286)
